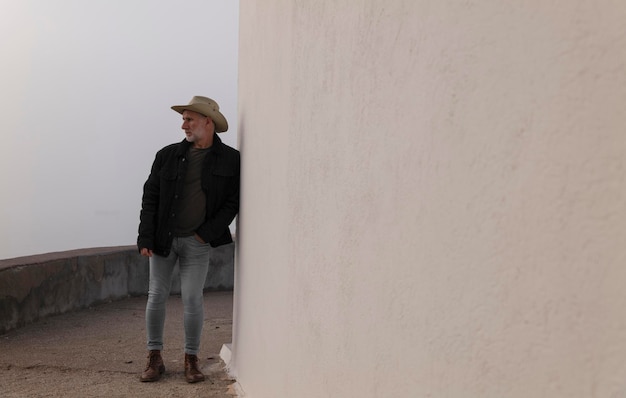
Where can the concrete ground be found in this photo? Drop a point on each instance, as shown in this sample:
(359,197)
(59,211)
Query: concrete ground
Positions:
(100,352)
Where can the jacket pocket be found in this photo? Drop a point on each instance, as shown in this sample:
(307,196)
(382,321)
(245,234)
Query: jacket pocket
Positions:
(223,172)
(168,175)
(218,178)
(218,184)
(168,179)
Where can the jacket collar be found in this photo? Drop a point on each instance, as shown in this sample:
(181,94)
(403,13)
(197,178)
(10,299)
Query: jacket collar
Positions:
(185,145)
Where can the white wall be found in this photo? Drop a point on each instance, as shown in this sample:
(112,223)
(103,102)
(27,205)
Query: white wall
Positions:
(433,199)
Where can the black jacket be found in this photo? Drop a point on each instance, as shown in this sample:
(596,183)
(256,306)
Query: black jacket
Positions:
(220,183)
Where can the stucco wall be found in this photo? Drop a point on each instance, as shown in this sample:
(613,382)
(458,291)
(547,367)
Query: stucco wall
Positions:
(433,199)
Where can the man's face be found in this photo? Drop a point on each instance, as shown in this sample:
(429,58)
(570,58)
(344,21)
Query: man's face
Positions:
(197,127)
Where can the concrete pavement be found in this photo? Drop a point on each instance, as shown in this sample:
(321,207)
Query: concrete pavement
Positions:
(100,351)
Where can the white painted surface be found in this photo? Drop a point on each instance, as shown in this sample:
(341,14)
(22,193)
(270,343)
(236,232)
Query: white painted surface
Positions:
(433,199)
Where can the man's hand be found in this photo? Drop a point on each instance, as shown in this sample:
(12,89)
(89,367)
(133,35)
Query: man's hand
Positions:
(146,252)
(199,239)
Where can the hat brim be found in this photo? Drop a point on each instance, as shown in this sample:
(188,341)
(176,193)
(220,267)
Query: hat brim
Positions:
(221,125)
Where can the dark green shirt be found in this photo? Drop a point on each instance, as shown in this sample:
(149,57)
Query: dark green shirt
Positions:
(192,201)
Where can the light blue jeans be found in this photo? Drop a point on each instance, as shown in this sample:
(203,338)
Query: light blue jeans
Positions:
(193,261)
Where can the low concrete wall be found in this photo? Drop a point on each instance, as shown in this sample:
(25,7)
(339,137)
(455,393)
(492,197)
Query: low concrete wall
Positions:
(37,286)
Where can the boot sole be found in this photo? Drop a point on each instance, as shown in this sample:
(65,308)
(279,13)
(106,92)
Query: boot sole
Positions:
(156,378)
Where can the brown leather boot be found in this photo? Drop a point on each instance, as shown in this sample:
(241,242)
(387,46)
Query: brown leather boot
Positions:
(154,368)
(192,373)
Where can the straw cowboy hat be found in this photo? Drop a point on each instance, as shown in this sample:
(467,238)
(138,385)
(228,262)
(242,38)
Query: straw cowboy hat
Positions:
(207,107)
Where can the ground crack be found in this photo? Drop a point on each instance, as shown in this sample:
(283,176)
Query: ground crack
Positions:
(64,369)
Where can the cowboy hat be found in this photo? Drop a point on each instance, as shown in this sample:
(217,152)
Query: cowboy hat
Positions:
(207,107)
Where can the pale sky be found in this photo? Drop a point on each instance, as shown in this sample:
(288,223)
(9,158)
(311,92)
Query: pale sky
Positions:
(85,95)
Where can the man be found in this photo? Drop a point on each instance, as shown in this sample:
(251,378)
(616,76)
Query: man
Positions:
(189,201)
